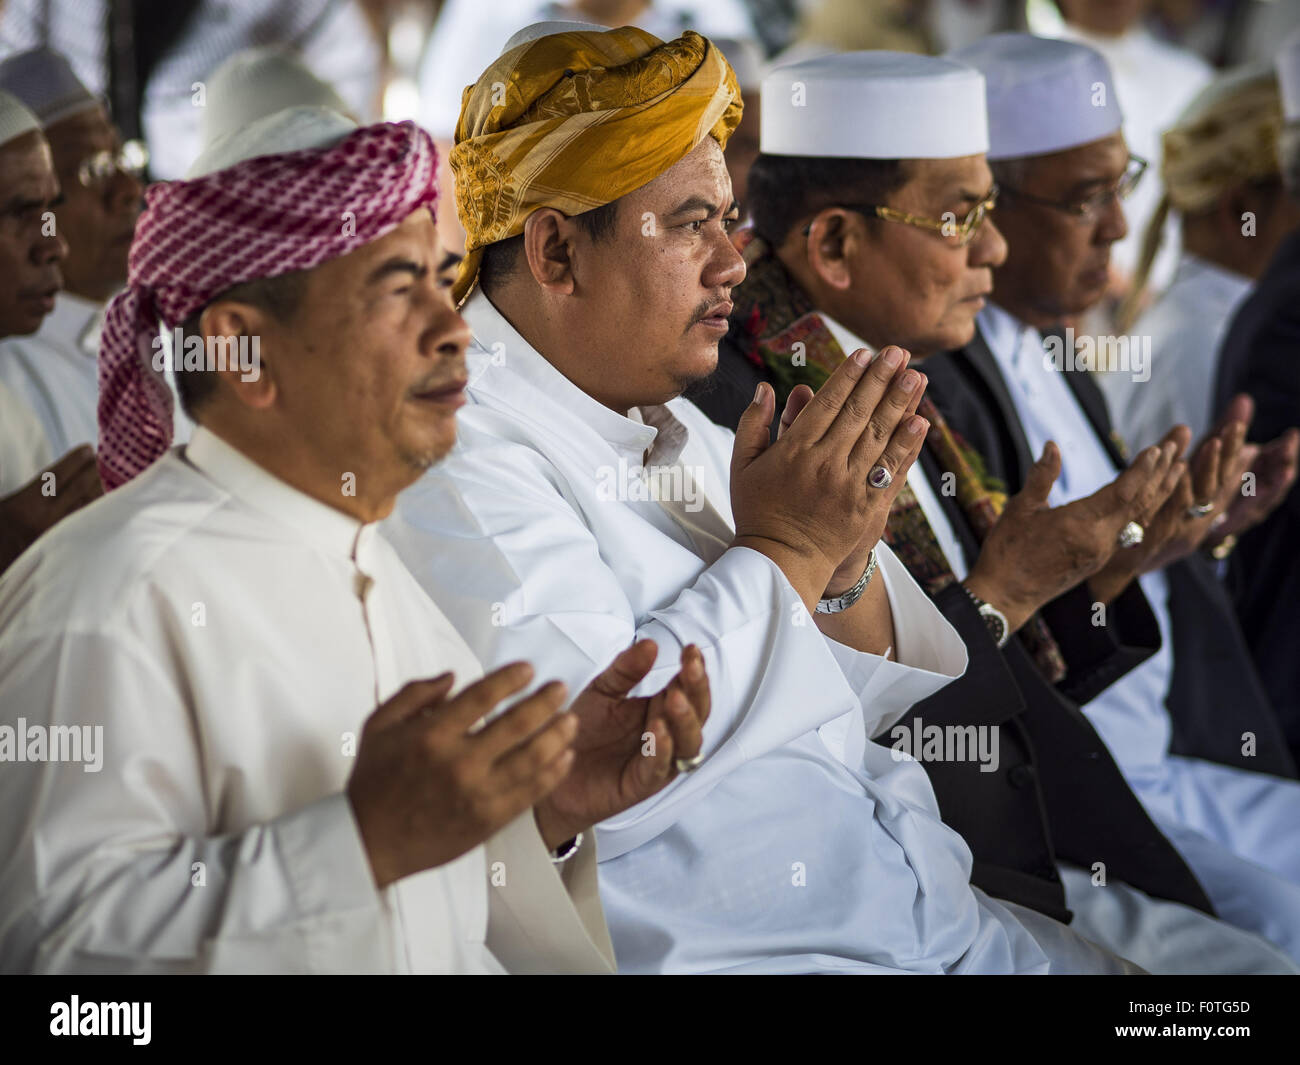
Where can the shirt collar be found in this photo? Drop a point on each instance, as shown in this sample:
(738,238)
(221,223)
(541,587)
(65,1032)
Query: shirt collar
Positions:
(332,530)
(1222,283)
(1005,334)
(844,337)
(75,323)
(505,366)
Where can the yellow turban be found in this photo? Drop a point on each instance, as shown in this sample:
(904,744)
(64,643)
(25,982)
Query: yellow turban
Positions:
(575,120)
(1226,137)
(1231,142)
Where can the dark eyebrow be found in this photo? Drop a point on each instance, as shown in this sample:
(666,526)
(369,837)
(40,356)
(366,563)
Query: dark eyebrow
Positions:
(396,266)
(448,261)
(699,203)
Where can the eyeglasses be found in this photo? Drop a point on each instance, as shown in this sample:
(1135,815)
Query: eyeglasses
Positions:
(959,233)
(1087,209)
(99,169)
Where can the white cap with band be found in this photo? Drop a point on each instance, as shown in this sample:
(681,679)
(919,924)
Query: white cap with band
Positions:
(874,105)
(1044,95)
(44,81)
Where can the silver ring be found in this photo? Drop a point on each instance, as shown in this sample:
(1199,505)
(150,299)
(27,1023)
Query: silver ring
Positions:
(879,477)
(685,765)
(1131,535)
(1199,510)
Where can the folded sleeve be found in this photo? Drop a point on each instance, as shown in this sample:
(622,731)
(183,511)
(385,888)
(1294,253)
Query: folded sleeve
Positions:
(1100,646)
(504,553)
(111,869)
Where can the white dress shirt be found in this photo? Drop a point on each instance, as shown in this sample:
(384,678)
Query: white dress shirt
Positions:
(797,845)
(228,636)
(1186,325)
(1130,714)
(56,370)
(1239,831)
(24,450)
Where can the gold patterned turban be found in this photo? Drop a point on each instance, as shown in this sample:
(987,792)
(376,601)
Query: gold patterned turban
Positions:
(1227,137)
(575,120)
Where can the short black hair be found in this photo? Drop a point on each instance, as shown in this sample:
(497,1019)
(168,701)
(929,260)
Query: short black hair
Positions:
(785,190)
(278,296)
(501,258)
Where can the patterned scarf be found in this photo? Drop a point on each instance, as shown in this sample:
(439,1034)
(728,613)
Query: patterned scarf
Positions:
(779,330)
(259,218)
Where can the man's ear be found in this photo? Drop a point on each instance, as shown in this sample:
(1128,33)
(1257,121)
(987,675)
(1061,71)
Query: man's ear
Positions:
(548,248)
(238,329)
(833,240)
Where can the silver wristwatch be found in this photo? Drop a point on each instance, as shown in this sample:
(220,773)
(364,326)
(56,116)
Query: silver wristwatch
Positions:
(994,620)
(842,602)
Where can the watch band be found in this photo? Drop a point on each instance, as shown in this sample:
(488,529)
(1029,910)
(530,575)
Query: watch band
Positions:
(566,850)
(994,620)
(840,603)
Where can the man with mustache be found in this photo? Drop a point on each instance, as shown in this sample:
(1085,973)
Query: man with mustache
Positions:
(285,758)
(889,232)
(55,369)
(32,498)
(587,504)
(1191,727)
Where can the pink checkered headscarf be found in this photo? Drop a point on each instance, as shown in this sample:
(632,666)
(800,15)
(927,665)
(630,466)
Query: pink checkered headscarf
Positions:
(259,218)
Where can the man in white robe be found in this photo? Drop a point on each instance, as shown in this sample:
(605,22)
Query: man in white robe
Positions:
(1238,830)
(1223,180)
(55,369)
(33,494)
(587,504)
(194,778)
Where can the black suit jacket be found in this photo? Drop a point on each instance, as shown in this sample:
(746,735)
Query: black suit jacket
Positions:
(1057,792)
(1215,695)
(1261,355)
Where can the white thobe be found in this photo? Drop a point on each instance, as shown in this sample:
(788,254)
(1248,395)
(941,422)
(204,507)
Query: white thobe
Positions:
(1162,937)
(228,636)
(24,450)
(56,371)
(1186,325)
(797,845)
(1239,831)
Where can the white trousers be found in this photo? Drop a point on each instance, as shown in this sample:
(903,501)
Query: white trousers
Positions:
(1165,938)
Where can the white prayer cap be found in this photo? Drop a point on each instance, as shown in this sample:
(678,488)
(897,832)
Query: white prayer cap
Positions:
(1044,95)
(545,29)
(1288,76)
(43,80)
(874,105)
(285,131)
(258,82)
(745,57)
(15,118)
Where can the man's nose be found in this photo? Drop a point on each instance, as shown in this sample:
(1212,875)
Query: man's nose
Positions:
(1112,225)
(989,247)
(50,247)
(726,266)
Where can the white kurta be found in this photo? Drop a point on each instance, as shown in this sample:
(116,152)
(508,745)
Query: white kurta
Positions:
(24,451)
(1239,831)
(228,636)
(56,371)
(797,845)
(1163,937)
(1186,325)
